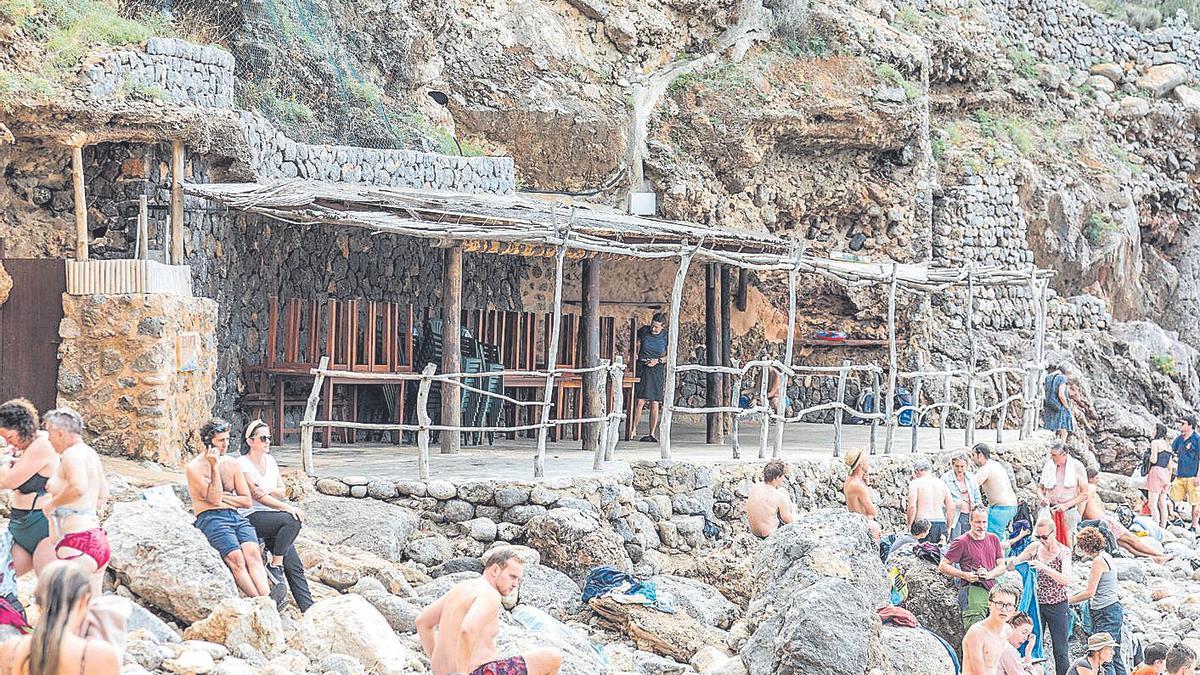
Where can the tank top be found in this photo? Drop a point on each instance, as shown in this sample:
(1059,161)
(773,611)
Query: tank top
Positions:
(267,481)
(1106,589)
(1164,453)
(1049,591)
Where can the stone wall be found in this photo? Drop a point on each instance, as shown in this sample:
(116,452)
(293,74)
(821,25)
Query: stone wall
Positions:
(660,505)
(120,368)
(185,72)
(273,155)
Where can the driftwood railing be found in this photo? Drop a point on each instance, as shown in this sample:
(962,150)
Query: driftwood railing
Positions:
(609,419)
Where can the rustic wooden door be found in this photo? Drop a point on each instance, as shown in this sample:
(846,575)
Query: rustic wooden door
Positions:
(29,330)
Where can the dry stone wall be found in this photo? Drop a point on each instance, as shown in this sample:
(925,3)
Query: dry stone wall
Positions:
(120,368)
(187,73)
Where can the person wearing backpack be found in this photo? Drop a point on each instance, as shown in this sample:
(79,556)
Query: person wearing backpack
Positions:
(1156,467)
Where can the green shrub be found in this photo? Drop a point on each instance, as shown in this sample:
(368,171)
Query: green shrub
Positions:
(1024,62)
(365,91)
(888,73)
(1097,228)
(1165,364)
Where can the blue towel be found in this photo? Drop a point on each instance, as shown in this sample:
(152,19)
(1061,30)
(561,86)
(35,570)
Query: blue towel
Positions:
(604,579)
(949,650)
(1029,605)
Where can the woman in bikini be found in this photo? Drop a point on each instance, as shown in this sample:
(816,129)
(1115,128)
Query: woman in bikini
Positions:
(25,469)
(55,648)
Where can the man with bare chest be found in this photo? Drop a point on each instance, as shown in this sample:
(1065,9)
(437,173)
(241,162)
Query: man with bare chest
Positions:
(768,506)
(218,489)
(458,631)
(985,641)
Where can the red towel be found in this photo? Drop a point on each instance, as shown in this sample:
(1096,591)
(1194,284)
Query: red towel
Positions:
(1060,528)
(897,616)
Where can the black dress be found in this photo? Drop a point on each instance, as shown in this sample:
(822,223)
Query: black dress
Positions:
(651,379)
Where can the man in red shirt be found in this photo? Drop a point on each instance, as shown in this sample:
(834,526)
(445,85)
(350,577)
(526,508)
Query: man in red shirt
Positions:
(979,560)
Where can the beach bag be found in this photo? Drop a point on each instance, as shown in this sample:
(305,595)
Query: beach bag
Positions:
(904,398)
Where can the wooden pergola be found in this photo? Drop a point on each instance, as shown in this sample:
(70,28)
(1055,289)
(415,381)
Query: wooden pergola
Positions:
(516,224)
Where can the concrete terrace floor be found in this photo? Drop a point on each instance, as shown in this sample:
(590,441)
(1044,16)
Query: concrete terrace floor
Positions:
(513,460)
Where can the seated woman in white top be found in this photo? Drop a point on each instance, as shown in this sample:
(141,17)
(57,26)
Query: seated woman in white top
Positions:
(276,521)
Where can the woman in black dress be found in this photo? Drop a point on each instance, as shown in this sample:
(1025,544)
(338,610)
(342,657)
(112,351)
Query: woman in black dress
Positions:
(652,372)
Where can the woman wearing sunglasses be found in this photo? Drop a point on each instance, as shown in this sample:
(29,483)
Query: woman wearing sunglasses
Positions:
(1052,561)
(276,521)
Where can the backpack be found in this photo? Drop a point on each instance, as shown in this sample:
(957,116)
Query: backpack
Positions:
(1145,468)
(904,398)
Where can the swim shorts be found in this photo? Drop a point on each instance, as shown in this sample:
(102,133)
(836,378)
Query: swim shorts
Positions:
(226,530)
(93,543)
(510,666)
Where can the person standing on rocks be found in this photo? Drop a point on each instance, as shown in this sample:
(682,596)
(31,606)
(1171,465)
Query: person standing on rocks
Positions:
(1056,410)
(25,471)
(987,639)
(1158,481)
(1101,593)
(964,492)
(652,373)
(77,492)
(1101,653)
(63,595)
(993,479)
(768,505)
(929,498)
(1062,487)
(1186,447)
(1093,509)
(1181,660)
(974,560)
(1052,561)
(275,521)
(218,489)
(458,631)
(857,493)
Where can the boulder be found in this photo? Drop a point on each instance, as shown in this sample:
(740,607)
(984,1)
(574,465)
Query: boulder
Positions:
(578,655)
(1161,80)
(350,626)
(1112,71)
(703,602)
(574,542)
(430,551)
(912,651)
(156,629)
(549,590)
(932,597)
(676,636)
(1189,98)
(241,621)
(400,614)
(373,526)
(441,585)
(729,569)
(1132,107)
(162,558)
(190,662)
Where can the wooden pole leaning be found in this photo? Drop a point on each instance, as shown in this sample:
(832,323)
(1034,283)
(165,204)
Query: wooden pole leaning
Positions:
(840,415)
(893,368)
(424,421)
(310,414)
(81,225)
(539,460)
(788,350)
(664,427)
(616,416)
(969,433)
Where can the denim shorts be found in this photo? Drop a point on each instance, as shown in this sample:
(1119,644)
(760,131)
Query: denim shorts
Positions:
(226,530)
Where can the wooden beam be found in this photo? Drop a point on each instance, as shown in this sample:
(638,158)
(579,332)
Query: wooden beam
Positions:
(969,432)
(451,346)
(177,225)
(310,414)
(893,366)
(664,428)
(789,349)
(712,353)
(743,290)
(554,330)
(81,224)
(726,340)
(593,383)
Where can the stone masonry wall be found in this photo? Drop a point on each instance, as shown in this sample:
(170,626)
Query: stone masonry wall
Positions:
(120,369)
(186,72)
(659,507)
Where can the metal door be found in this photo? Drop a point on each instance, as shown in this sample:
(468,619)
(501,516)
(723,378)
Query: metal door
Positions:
(29,330)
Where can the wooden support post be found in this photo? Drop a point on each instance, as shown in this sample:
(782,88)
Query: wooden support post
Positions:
(764,432)
(1001,382)
(141,245)
(945,411)
(788,349)
(969,433)
(618,409)
(726,339)
(539,460)
(81,224)
(875,408)
(602,426)
(735,397)
(451,346)
(916,416)
(595,382)
(1040,352)
(664,427)
(893,368)
(177,202)
(743,290)
(840,414)
(424,420)
(1028,390)
(712,355)
(310,412)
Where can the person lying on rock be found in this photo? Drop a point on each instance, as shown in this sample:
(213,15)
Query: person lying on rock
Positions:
(975,560)
(77,493)
(859,498)
(218,489)
(1093,509)
(458,631)
(55,646)
(276,521)
(986,641)
(25,470)
(768,506)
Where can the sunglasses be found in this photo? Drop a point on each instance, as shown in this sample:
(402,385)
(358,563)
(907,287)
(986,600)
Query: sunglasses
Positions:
(1045,537)
(264,437)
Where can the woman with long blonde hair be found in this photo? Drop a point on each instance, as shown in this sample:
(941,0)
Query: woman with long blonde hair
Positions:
(55,647)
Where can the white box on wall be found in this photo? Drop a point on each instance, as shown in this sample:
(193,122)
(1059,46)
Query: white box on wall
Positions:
(643,203)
